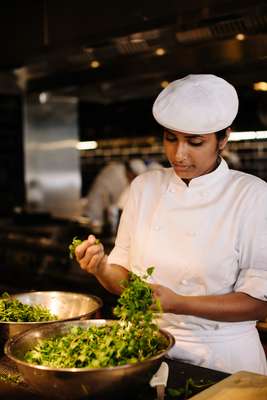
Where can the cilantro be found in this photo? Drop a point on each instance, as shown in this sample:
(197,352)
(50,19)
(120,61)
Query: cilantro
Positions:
(76,242)
(190,387)
(11,378)
(133,338)
(13,310)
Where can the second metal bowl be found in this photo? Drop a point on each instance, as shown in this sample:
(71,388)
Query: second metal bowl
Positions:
(65,305)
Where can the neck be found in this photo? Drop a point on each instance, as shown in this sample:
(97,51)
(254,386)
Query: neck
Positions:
(216,165)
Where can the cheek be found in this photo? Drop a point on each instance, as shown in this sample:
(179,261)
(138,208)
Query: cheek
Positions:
(168,149)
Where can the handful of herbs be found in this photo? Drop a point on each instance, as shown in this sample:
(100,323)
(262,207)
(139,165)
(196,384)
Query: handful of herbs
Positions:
(136,300)
(13,310)
(76,242)
(133,338)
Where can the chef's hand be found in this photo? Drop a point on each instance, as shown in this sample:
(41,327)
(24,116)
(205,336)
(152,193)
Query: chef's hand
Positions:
(90,255)
(169,300)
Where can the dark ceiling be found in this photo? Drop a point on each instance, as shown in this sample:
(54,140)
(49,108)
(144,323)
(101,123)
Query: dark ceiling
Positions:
(49,44)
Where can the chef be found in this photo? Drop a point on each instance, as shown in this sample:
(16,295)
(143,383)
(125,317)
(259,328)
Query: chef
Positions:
(202,226)
(100,204)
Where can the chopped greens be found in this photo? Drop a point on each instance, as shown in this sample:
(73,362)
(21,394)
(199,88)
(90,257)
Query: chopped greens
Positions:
(133,338)
(97,347)
(76,242)
(136,300)
(8,378)
(191,387)
(13,310)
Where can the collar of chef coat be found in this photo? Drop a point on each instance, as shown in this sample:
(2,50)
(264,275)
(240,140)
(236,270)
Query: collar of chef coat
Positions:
(202,181)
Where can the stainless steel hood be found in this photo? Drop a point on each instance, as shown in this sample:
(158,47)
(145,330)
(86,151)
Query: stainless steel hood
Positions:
(50,45)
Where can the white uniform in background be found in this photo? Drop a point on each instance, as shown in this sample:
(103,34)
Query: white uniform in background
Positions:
(124,195)
(208,238)
(107,188)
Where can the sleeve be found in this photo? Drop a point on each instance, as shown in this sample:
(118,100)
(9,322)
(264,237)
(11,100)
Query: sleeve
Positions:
(252,278)
(120,254)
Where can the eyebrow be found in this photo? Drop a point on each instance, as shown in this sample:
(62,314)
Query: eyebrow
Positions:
(188,136)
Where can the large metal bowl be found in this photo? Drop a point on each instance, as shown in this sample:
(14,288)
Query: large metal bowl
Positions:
(65,305)
(78,383)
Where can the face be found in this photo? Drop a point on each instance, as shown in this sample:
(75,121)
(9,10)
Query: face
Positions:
(192,155)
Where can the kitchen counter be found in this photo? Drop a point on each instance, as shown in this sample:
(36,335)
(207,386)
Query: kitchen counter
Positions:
(178,374)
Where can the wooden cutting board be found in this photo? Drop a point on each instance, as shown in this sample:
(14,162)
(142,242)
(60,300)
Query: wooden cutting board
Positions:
(239,386)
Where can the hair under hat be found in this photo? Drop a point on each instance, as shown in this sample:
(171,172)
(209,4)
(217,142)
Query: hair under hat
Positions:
(196,104)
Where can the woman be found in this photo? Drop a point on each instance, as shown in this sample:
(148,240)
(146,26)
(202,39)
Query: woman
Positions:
(203,227)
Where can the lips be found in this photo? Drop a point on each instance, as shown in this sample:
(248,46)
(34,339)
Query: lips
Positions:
(181,166)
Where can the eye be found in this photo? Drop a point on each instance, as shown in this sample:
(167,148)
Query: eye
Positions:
(195,143)
(170,137)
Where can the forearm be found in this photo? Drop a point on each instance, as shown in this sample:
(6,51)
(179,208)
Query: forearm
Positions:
(110,277)
(228,307)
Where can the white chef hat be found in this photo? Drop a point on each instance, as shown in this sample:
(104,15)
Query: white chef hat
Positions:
(196,104)
(137,166)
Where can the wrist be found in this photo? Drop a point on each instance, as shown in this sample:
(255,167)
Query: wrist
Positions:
(179,305)
(101,267)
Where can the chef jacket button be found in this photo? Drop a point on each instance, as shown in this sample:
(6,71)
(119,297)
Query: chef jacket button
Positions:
(191,234)
(171,190)
(184,282)
(182,324)
(157,228)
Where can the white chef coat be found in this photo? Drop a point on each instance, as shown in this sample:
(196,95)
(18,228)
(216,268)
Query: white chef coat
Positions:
(207,238)
(106,189)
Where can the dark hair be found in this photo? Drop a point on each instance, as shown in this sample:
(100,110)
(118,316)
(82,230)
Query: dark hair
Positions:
(221,134)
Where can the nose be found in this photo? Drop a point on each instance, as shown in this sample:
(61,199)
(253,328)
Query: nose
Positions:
(181,152)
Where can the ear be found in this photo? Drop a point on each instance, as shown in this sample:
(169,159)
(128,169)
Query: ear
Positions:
(223,142)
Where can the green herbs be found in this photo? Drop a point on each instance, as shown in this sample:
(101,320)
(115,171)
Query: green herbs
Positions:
(12,310)
(73,245)
(8,378)
(96,347)
(131,339)
(190,388)
(76,242)
(136,300)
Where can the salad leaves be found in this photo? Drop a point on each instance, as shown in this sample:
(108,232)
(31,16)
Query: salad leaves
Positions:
(132,338)
(13,310)
(76,242)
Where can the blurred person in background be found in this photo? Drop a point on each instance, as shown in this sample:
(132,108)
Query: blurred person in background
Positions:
(150,166)
(102,198)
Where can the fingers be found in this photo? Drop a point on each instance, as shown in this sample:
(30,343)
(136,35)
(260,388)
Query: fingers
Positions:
(89,254)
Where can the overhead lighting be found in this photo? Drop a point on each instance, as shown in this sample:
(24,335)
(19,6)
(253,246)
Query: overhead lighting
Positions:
(164,84)
(240,36)
(260,86)
(94,64)
(88,50)
(136,38)
(160,51)
(89,145)
(249,135)
(43,97)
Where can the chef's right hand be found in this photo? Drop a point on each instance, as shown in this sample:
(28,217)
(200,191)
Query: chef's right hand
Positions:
(90,255)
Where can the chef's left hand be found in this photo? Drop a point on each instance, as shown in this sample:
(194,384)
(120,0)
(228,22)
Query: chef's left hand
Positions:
(169,300)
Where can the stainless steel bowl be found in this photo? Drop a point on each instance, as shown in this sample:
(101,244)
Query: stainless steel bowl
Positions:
(78,383)
(65,305)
